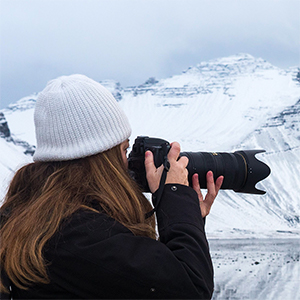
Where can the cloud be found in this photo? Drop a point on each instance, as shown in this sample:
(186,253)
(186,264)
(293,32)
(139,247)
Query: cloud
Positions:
(131,40)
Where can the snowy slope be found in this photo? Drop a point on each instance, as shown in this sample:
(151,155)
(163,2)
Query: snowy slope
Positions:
(214,105)
(236,102)
(12,158)
(19,117)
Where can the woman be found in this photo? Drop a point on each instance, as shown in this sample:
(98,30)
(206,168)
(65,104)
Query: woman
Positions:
(73,223)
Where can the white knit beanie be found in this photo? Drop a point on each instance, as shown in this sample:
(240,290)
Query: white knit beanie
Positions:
(76,117)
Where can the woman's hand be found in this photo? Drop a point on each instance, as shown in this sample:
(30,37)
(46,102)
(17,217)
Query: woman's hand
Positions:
(177,174)
(212,191)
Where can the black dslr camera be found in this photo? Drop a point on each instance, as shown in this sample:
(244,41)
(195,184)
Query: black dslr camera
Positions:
(241,170)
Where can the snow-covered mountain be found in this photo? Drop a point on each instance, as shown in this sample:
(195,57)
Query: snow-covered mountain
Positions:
(226,104)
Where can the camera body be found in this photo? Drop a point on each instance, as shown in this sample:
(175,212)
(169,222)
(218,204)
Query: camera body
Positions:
(136,159)
(241,169)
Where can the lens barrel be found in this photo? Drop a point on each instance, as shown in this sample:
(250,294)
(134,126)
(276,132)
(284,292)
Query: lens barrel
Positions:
(241,169)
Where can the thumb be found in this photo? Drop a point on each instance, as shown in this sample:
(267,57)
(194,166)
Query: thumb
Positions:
(152,174)
(149,162)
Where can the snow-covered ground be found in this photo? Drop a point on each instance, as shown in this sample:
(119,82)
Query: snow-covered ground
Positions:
(260,269)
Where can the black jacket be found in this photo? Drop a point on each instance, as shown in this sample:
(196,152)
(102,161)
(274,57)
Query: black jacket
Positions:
(95,257)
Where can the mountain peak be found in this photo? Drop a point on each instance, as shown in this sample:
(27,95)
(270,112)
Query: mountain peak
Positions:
(24,103)
(231,65)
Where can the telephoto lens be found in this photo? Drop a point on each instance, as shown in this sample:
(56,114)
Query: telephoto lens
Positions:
(241,169)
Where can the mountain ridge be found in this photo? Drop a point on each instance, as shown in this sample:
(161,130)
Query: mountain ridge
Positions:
(226,104)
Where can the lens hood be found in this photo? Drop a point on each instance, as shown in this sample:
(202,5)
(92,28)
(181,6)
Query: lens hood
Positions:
(256,171)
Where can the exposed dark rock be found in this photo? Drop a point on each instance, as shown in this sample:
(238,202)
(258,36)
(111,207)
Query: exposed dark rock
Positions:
(4,129)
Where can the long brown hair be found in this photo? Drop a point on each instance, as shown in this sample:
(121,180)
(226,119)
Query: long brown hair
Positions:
(43,194)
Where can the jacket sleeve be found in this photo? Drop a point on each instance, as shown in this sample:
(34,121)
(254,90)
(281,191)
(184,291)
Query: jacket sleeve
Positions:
(99,258)
(6,282)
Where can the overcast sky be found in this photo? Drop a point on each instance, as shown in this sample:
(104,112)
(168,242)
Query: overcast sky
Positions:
(132,40)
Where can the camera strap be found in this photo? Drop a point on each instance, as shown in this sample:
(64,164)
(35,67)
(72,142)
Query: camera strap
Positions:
(158,193)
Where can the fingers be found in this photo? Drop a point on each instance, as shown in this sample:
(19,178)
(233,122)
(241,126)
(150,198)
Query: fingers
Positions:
(210,183)
(212,192)
(174,154)
(178,173)
(196,186)
(212,187)
(219,182)
(174,151)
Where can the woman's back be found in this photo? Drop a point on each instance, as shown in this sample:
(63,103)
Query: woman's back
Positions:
(95,257)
